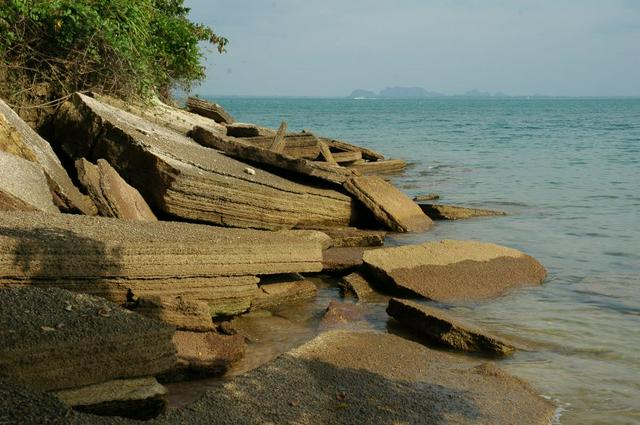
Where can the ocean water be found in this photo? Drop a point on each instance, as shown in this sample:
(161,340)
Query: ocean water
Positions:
(568,172)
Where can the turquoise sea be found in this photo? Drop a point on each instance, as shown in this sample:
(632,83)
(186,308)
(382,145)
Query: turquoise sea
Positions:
(568,172)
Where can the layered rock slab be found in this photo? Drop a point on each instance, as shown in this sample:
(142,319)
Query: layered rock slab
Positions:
(23,186)
(124,259)
(55,339)
(390,206)
(209,109)
(183,179)
(452,270)
(17,138)
(237,148)
(346,377)
(113,196)
(443,328)
(182,312)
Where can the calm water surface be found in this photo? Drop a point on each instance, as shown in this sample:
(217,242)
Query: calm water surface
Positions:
(568,171)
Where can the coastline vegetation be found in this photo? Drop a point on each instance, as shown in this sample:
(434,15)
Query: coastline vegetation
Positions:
(50,49)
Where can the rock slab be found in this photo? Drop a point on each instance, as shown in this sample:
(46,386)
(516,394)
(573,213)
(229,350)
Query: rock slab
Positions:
(453,270)
(17,138)
(209,110)
(345,377)
(390,206)
(442,328)
(23,186)
(453,212)
(113,196)
(181,311)
(180,178)
(356,284)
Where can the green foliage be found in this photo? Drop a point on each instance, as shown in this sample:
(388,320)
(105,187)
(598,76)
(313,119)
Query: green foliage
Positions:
(120,47)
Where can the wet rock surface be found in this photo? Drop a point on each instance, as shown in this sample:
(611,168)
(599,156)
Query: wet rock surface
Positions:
(113,196)
(339,314)
(23,186)
(451,270)
(443,328)
(345,377)
(17,138)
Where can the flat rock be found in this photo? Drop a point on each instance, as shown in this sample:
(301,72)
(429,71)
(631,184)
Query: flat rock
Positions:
(345,377)
(426,197)
(283,289)
(180,311)
(203,354)
(355,284)
(54,340)
(381,167)
(180,178)
(23,186)
(341,259)
(113,196)
(298,145)
(240,129)
(237,148)
(17,138)
(127,259)
(453,212)
(348,237)
(209,109)
(443,328)
(390,205)
(339,145)
(140,398)
(164,115)
(451,270)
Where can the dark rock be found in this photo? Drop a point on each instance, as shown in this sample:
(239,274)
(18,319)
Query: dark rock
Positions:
(452,270)
(452,212)
(441,327)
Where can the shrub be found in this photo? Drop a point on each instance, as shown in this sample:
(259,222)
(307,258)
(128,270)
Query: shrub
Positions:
(125,48)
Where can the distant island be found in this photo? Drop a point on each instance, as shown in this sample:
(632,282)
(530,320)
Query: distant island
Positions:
(415,92)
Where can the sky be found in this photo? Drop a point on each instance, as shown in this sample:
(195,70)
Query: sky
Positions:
(331,47)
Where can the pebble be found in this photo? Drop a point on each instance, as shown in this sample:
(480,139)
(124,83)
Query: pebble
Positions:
(250,171)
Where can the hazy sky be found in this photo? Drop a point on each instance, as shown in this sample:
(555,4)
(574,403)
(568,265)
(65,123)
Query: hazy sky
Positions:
(330,47)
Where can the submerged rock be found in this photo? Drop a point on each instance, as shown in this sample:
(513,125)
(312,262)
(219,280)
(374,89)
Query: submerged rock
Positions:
(17,138)
(346,377)
(113,196)
(338,314)
(441,327)
(202,354)
(451,270)
(390,206)
(357,285)
(23,186)
(452,212)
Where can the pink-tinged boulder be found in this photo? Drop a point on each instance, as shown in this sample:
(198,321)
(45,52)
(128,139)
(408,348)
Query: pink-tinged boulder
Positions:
(452,270)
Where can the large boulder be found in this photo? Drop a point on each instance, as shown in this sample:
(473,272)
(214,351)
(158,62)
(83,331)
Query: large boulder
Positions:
(451,270)
(58,341)
(443,328)
(183,179)
(126,259)
(344,377)
(23,186)
(110,193)
(17,138)
(390,206)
